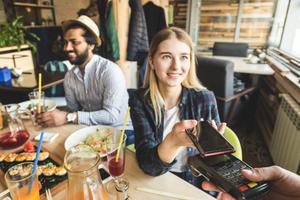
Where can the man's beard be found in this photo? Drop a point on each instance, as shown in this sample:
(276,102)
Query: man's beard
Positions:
(80,58)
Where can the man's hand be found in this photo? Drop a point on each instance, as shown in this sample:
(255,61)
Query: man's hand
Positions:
(285,185)
(53,118)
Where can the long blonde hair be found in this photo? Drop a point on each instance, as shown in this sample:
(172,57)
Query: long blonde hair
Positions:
(151,80)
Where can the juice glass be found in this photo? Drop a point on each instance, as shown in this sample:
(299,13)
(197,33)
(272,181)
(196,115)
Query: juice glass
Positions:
(115,167)
(18,179)
(33,107)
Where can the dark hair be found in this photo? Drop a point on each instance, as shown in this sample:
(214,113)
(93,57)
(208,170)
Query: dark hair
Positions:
(88,35)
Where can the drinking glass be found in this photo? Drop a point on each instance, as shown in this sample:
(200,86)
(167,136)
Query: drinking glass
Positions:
(115,167)
(18,179)
(34,101)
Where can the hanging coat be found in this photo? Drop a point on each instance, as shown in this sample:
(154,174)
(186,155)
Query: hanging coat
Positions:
(137,36)
(155,19)
(109,36)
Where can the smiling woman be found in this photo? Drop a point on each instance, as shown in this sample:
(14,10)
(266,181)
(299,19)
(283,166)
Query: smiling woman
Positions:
(170,102)
(171,64)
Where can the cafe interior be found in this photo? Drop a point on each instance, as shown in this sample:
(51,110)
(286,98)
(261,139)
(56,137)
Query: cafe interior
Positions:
(247,53)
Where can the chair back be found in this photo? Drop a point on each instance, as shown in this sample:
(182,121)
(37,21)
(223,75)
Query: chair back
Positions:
(217,76)
(55,66)
(234,141)
(130,133)
(230,49)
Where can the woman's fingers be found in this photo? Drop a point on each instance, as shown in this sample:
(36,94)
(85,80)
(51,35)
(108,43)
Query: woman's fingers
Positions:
(210,187)
(213,124)
(179,134)
(185,124)
(222,128)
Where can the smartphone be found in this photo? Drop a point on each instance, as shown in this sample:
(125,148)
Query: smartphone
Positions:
(225,172)
(208,141)
(105,176)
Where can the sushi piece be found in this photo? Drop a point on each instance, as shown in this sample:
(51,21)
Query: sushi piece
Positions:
(15,170)
(19,170)
(21,157)
(25,171)
(43,156)
(30,156)
(39,170)
(10,157)
(60,171)
(2,156)
(49,169)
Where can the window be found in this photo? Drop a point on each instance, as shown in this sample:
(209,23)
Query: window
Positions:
(291,33)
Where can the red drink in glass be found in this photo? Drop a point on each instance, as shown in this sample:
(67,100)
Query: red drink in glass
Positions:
(116,168)
(10,141)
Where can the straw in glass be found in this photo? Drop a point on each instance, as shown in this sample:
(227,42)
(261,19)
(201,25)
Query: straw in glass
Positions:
(39,92)
(41,136)
(36,159)
(122,134)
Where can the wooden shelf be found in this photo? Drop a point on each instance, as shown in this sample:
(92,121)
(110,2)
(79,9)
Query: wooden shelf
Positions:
(40,26)
(33,5)
(35,13)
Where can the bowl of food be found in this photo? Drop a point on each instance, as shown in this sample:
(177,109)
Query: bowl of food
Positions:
(95,137)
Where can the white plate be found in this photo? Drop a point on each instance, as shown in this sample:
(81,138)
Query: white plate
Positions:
(51,105)
(80,135)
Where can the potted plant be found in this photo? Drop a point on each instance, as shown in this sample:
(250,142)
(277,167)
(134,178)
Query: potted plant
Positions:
(15,49)
(13,34)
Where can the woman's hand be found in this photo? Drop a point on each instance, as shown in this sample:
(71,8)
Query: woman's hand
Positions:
(170,146)
(178,135)
(221,128)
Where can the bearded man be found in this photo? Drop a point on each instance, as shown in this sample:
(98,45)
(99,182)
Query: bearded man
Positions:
(95,87)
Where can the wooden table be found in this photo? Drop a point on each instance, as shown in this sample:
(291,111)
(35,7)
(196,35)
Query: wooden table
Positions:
(167,182)
(242,66)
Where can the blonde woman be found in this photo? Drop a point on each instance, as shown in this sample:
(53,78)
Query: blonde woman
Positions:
(171,101)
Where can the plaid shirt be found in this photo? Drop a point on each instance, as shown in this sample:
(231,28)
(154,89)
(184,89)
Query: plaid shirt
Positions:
(193,105)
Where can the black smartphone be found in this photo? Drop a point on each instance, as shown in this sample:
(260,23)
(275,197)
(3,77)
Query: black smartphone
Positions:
(225,172)
(105,176)
(208,141)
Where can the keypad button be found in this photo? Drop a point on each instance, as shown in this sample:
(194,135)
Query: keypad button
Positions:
(252,184)
(243,188)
